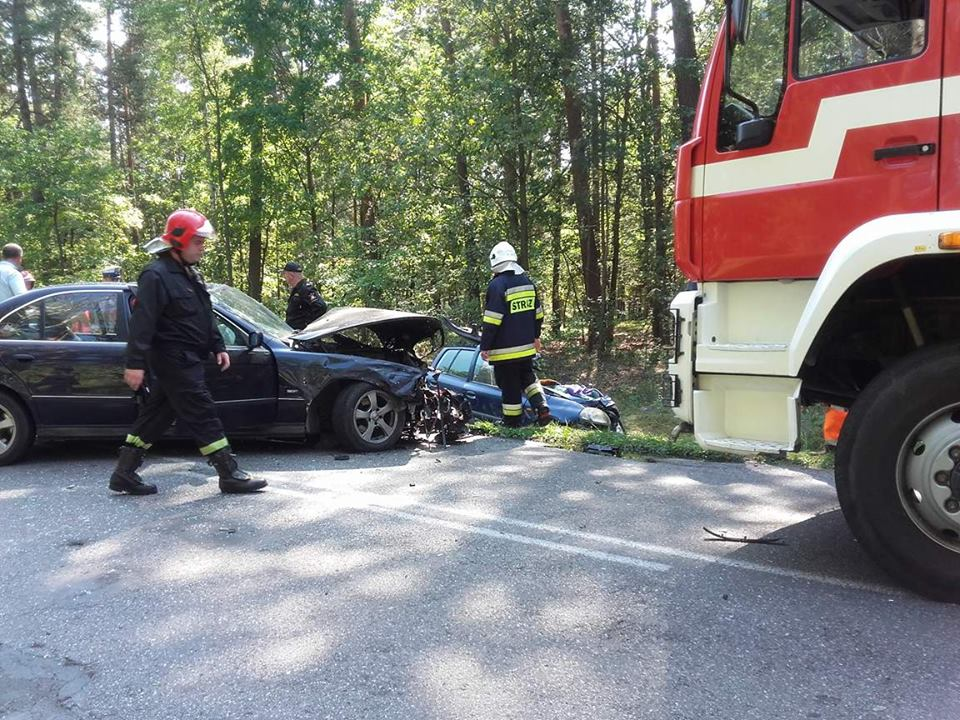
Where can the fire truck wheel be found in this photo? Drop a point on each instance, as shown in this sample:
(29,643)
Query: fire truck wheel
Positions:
(898,471)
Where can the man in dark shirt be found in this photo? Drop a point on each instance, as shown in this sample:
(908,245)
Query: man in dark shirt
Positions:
(305,304)
(172,332)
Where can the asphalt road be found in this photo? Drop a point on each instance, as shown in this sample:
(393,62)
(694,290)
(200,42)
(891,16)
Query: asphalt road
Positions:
(491,580)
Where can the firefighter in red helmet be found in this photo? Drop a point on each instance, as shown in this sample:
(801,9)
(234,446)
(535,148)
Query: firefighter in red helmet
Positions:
(172,332)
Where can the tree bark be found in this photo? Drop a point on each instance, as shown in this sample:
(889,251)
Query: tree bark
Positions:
(367,210)
(471,252)
(259,69)
(657,311)
(686,67)
(573,107)
(556,234)
(20,44)
(210,90)
(111,96)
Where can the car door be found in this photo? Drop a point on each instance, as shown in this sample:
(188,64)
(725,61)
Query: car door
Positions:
(481,388)
(246,394)
(68,348)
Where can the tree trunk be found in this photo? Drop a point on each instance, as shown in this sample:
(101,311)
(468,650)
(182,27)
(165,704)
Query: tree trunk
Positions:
(20,45)
(573,107)
(510,197)
(367,211)
(686,67)
(471,252)
(260,70)
(111,97)
(211,90)
(39,119)
(312,193)
(255,211)
(556,233)
(56,107)
(657,324)
(618,192)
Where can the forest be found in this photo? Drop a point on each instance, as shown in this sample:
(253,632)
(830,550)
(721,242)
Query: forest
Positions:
(386,145)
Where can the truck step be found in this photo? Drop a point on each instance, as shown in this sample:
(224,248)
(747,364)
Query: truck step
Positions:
(740,446)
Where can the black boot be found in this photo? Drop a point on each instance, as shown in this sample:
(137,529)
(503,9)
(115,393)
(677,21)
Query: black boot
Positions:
(232,478)
(543,416)
(125,478)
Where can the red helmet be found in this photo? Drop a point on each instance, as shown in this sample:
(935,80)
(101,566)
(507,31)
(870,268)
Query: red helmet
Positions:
(182,225)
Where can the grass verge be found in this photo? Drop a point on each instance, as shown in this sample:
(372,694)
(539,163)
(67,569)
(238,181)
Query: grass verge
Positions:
(639,445)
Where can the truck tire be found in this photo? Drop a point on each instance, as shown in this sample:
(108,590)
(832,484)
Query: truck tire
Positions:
(367,419)
(895,456)
(16,429)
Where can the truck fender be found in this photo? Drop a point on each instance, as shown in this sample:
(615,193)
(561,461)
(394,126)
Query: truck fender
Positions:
(868,247)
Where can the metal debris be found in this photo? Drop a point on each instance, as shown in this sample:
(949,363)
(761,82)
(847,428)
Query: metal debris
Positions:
(723,537)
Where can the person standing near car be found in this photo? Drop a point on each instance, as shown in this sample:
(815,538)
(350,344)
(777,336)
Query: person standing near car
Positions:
(305,304)
(172,332)
(512,320)
(11,279)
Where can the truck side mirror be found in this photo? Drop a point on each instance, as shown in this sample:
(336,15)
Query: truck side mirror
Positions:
(254,340)
(738,20)
(755,133)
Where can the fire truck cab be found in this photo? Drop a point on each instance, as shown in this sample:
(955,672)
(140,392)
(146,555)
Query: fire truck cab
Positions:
(818,218)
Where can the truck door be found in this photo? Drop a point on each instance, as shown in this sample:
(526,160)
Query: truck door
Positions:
(850,95)
(950,156)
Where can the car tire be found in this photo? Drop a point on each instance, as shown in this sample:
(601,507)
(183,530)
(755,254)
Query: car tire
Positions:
(891,457)
(16,429)
(353,424)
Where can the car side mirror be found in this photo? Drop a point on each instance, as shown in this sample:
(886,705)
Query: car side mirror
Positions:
(254,340)
(755,133)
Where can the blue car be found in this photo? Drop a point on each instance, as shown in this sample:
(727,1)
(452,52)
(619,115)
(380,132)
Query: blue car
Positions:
(462,370)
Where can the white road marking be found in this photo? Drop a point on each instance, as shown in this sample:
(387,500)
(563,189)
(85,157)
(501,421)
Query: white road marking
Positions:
(390,504)
(488,532)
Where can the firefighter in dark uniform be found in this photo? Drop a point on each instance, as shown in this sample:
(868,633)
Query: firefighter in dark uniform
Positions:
(172,332)
(512,319)
(305,304)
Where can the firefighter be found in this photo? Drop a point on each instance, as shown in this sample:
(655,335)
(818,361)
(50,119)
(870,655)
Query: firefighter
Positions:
(512,319)
(172,332)
(305,304)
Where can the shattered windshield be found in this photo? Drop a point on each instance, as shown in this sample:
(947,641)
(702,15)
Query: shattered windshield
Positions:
(251,311)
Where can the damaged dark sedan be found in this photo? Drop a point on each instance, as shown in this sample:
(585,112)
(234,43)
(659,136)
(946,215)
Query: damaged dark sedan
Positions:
(355,372)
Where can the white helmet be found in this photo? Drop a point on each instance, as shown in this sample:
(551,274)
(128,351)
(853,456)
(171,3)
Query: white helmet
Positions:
(502,252)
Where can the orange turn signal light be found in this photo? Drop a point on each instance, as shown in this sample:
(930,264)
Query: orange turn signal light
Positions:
(950,241)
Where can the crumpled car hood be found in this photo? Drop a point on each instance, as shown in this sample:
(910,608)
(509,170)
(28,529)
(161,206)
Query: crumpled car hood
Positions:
(401,329)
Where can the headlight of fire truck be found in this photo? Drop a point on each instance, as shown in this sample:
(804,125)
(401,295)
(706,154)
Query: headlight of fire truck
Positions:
(595,417)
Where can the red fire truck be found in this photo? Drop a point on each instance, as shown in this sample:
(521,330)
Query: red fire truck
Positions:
(818,219)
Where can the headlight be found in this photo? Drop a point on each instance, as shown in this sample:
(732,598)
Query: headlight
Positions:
(594,416)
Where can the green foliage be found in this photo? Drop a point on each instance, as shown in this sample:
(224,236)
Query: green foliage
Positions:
(445,120)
